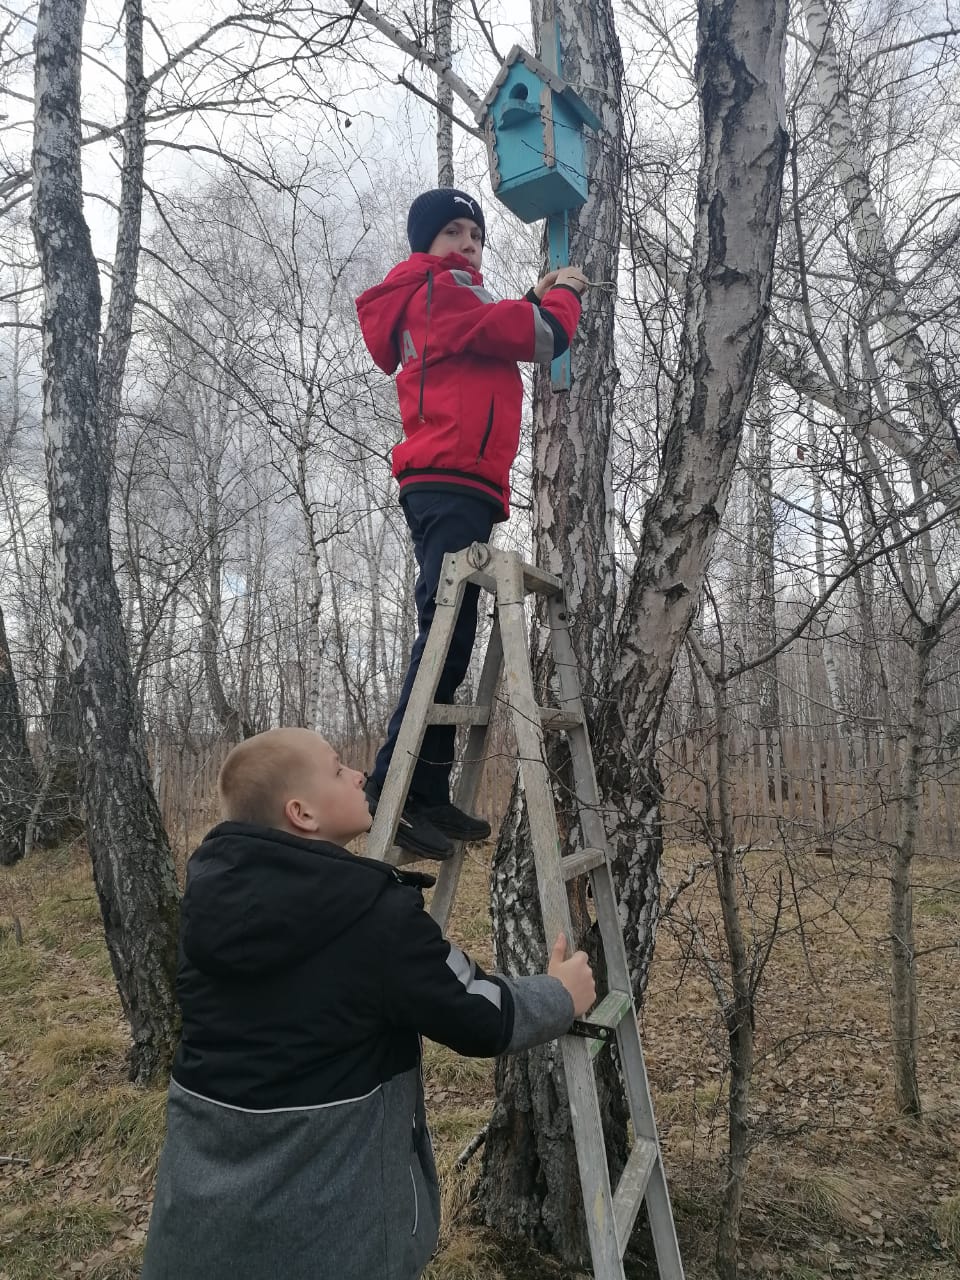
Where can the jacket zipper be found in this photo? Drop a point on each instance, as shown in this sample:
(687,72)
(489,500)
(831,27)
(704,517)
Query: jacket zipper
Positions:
(486,434)
(426,336)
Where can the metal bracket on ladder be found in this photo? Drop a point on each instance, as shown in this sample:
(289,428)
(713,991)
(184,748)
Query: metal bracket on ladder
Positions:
(611,1212)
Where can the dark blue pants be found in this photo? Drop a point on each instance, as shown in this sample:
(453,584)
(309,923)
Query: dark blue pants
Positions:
(439,522)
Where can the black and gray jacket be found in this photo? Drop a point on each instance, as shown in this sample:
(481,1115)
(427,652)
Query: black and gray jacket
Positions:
(297,1146)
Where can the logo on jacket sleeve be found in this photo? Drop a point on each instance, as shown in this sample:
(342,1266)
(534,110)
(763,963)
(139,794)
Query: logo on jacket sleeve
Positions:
(408,351)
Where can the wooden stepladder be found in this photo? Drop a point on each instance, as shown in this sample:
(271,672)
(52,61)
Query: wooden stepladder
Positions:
(611,1212)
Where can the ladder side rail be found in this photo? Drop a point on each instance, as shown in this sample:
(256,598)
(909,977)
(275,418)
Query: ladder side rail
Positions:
(578,1068)
(530,747)
(571,700)
(474,759)
(587,791)
(380,839)
(628,1031)
(663,1229)
(629,1045)
(637,1088)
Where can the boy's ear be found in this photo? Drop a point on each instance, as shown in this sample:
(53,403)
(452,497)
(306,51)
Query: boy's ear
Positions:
(299,815)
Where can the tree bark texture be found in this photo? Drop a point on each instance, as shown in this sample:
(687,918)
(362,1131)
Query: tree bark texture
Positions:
(116,338)
(738,1008)
(768,686)
(231,715)
(530,1185)
(443,36)
(765,620)
(18,777)
(57,812)
(133,868)
(740,77)
(740,82)
(903,974)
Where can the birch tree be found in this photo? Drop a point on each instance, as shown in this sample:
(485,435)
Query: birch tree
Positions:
(133,869)
(18,778)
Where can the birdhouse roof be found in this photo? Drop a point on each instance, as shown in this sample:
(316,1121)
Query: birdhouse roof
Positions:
(556,83)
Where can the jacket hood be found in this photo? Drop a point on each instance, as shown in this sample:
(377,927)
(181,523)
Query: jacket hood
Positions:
(381,308)
(258,900)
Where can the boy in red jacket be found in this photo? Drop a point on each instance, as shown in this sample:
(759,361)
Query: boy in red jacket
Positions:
(461,398)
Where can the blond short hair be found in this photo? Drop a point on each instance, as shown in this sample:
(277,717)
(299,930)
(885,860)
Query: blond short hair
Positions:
(259,776)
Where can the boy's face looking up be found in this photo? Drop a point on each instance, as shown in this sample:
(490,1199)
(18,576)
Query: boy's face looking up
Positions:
(292,779)
(325,800)
(462,235)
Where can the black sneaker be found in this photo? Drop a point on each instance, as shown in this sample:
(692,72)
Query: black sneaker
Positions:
(454,822)
(415,833)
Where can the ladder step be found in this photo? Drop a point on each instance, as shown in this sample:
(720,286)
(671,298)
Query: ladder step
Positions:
(401,857)
(604,1020)
(469,713)
(555,718)
(543,583)
(461,713)
(628,1196)
(578,864)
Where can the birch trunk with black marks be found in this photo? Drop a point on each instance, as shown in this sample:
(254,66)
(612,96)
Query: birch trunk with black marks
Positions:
(738,1006)
(123,284)
(132,865)
(229,713)
(903,977)
(768,685)
(57,812)
(830,694)
(18,777)
(626,668)
(443,36)
(530,1185)
(740,81)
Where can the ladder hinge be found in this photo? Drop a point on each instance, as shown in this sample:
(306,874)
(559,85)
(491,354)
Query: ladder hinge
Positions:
(590,1030)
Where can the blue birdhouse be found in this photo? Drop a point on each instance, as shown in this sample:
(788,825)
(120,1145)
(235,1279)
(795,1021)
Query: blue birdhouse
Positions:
(533,122)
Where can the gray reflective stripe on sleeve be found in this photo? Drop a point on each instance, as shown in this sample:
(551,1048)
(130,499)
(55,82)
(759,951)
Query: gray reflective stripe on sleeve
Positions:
(478,291)
(464,970)
(543,338)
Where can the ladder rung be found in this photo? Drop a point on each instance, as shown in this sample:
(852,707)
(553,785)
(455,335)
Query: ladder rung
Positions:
(578,864)
(461,713)
(400,857)
(612,1009)
(628,1196)
(605,1018)
(555,718)
(544,584)
(469,713)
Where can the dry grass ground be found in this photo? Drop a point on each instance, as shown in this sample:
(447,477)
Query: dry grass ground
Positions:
(840,1186)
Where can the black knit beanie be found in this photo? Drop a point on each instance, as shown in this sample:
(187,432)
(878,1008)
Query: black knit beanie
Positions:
(431,212)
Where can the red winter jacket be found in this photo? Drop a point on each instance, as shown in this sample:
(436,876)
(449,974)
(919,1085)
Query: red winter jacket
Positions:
(460,391)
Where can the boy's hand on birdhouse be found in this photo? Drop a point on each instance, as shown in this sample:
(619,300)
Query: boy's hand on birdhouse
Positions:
(573,278)
(546,282)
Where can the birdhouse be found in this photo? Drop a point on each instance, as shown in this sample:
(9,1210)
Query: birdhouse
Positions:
(534,122)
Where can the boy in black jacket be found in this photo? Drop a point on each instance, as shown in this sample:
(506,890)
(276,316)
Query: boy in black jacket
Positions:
(297,1144)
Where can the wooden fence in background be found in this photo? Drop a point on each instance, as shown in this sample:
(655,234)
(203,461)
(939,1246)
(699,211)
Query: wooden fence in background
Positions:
(827,791)
(822,792)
